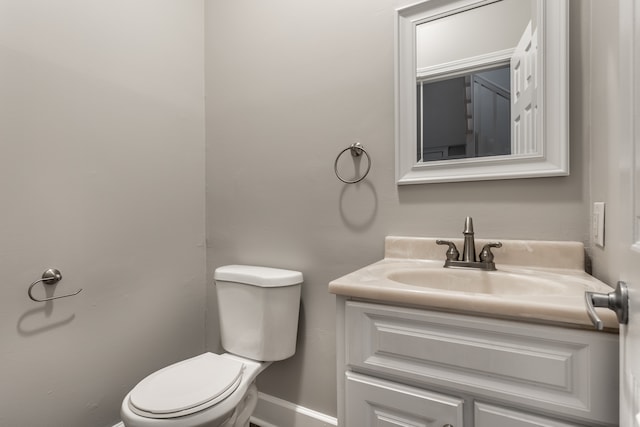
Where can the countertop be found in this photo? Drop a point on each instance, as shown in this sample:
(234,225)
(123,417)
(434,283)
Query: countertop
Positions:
(554,261)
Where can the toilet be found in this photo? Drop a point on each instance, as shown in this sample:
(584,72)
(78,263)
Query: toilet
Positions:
(258,309)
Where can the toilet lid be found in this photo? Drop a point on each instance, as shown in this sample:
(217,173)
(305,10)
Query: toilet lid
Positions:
(186,387)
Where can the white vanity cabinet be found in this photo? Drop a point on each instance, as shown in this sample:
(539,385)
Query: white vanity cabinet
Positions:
(400,366)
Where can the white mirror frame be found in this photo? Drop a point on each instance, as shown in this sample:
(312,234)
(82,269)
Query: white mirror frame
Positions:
(552,154)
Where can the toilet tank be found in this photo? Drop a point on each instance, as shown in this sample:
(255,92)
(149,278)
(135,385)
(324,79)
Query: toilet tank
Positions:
(258,310)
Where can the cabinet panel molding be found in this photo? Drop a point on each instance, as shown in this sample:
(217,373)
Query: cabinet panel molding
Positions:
(378,403)
(495,416)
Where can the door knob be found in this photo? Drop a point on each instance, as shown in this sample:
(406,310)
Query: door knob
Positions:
(618,301)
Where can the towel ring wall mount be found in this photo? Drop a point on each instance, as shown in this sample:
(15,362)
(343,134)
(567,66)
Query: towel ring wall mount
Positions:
(50,277)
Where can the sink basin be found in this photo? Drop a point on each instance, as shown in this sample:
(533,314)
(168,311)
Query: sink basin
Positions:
(487,282)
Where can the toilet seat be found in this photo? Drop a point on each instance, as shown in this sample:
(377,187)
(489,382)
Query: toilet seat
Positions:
(186,387)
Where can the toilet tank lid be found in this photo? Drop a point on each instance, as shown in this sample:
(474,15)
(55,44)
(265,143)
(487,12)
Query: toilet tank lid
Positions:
(258,276)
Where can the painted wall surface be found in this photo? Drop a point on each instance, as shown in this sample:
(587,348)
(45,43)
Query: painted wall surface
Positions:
(102,177)
(603,127)
(283,100)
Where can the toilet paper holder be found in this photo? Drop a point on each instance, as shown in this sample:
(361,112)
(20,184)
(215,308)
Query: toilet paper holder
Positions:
(50,277)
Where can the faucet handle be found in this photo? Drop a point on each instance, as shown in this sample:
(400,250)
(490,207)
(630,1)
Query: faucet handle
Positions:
(452,252)
(485,254)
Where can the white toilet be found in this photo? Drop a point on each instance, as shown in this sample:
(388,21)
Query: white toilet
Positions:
(258,309)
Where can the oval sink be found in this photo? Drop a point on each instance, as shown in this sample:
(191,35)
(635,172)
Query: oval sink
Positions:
(487,282)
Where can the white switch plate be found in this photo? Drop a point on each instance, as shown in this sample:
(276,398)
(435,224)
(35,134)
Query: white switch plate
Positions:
(598,224)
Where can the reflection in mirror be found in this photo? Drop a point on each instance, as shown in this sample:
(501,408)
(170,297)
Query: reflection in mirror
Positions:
(466,116)
(482,90)
(471,115)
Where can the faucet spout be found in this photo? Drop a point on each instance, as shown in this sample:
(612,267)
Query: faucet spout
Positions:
(469,250)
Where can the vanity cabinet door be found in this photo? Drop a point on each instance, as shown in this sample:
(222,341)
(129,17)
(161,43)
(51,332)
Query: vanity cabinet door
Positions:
(374,402)
(495,416)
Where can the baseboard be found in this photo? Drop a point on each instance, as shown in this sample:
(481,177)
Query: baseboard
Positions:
(274,412)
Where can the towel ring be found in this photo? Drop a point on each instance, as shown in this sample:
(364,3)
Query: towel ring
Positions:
(50,277)
(356,151)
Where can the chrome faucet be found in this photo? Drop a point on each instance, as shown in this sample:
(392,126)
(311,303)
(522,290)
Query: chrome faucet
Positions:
(485,261)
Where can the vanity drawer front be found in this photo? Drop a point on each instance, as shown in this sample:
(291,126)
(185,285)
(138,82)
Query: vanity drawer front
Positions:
(542,367)
(376,402)
(486,415)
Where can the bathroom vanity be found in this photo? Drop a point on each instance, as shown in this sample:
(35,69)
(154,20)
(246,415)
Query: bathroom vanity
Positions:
(420,345)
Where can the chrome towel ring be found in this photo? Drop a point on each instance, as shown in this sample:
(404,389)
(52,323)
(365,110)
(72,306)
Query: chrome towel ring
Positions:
(356,151)
(50,277)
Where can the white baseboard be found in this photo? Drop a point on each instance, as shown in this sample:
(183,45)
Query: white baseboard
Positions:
(274,412)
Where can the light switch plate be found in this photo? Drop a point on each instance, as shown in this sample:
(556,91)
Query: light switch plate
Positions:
(598,224)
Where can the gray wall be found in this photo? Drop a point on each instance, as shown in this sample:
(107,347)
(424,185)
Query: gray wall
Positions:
(101,176)
(289,85)
(602,129)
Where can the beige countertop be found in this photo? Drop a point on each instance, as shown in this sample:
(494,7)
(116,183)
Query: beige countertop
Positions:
(527,263)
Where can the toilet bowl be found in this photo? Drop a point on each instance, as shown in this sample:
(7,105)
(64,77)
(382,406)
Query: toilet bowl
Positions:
(206,390)
(258,321)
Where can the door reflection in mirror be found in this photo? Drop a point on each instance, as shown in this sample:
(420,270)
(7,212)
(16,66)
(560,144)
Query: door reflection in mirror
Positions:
(465,116)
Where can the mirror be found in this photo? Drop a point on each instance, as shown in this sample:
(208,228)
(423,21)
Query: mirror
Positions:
(481,90)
